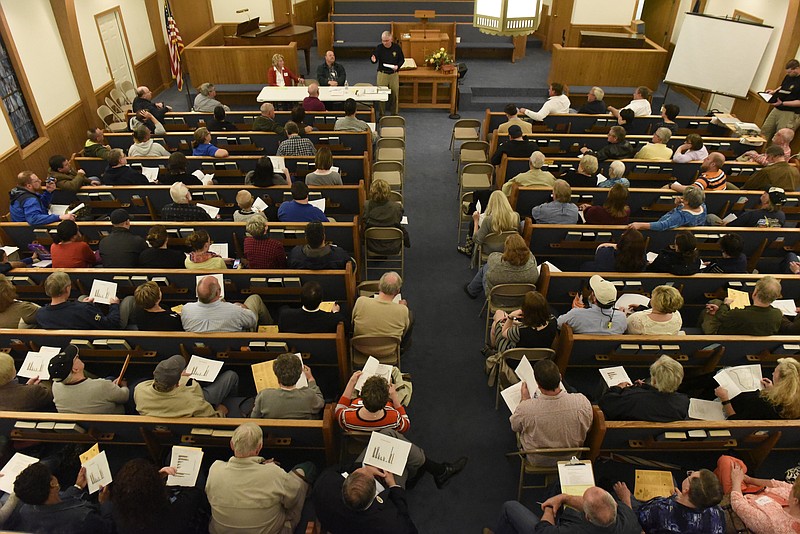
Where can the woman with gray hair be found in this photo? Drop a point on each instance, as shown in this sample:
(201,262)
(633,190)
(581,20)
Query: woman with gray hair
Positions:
(690,210)
(616,171)
(658,401)
(206,99)
(180,209)
(260,250)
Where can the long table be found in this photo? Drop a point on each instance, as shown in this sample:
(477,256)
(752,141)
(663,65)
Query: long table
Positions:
(326,94)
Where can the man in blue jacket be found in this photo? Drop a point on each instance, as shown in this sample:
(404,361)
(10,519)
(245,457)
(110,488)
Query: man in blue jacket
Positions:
(29,203)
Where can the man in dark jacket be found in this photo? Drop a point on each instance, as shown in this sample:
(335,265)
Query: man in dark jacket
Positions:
(28,203)
(63,314)
(266,121)
(516,146)
(143,102)
(120,173)
(617,147)
(315,254)
(331,73)
(121,248)
(310,318)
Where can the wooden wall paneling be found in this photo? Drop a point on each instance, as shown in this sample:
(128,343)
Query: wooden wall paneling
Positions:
(574,34)
(560,22)
(193,17)
(164,78)
(322,9)
(544,24)
(752,109)
(149,72)
(303,13)
(324,37)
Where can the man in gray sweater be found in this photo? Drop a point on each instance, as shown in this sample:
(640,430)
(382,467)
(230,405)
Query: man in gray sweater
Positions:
(289,401)
(74,393)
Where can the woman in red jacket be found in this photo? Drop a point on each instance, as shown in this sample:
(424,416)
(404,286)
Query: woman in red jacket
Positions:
(280,76)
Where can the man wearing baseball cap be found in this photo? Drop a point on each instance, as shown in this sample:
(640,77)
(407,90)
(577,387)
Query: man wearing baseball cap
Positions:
(170,394)
(599,315)
(121,248)
(768,214)
(74,393)
(516,146)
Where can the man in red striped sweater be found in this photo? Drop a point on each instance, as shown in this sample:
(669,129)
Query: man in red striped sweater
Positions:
(378,406)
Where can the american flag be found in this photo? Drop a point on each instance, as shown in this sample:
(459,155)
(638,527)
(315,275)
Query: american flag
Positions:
(175,44)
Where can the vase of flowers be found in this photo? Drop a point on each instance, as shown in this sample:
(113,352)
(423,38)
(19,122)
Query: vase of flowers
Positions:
(439,59)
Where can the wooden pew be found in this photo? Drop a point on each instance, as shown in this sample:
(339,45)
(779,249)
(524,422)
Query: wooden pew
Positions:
(184,121)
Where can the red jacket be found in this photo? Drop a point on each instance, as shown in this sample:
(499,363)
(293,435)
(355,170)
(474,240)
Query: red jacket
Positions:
(288,77)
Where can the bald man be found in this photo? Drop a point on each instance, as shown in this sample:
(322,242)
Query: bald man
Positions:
(312,101)
(266,121)
(212,314)
(712,177)
(142,102)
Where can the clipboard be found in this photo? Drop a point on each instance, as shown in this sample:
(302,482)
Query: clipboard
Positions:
(575,476)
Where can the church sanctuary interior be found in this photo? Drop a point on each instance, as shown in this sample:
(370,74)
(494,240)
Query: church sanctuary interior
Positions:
(199,190)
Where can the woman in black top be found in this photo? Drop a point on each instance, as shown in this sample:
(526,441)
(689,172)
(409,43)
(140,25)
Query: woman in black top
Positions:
(176,171)
(780,398)
(264,174)
(149,315)
(158,256)
(680,258)
(531,326)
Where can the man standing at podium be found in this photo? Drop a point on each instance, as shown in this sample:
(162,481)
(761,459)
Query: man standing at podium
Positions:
(389,57)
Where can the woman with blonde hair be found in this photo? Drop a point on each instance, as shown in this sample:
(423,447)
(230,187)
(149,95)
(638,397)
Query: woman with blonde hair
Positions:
(498,217)
(515,265)
(658,401)
(780,398)
(663,318)
(278,75)
(15,313)
(380,211)
(201,145)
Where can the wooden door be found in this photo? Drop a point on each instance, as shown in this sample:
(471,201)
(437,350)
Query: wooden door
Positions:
(659,19)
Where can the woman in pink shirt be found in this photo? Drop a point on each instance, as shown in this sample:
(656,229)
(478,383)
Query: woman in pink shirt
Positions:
(776,510)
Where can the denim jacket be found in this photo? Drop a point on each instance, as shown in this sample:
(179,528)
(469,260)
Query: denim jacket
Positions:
(679,217)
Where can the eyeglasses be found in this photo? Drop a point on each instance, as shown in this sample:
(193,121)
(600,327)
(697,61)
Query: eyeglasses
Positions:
(690,472)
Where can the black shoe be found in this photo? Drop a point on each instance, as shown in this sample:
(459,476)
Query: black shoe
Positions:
(470,295)
(450,470)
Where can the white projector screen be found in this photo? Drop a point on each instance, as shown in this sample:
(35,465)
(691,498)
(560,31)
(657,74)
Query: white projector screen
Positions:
(718,55)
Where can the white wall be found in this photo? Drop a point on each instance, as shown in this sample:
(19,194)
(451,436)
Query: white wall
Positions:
(34,30)
(225,10)
(137,27)
(610,12)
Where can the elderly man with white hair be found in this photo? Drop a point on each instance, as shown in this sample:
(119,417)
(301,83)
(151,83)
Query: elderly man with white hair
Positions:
(266,121)
(382,315)
(389,57)
(658,149)
(206,99)
(181,209)
(251,494)
(533,177)
(212,314)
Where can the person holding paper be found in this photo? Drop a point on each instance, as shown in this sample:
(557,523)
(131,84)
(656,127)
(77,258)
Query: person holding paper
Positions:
(289,401)
(181,209)
(63,314)
(681,258)
(599,316)
(69,250)
(200,257)
(316,254)
(764,513)
(14,396)
(265,175)
(663,317)
(349,123)
(322,173)
(251,494)
(310,318)
(15,313)
(172,394)
(389,57)
(533,177)
(585,175)
(121,248)
(760,319)
(785,102)
(767,215)
(176,171)
(497,217)
(657,401)
(149,315)
(30,203)
(299,209)
(46,509)
(376,408)
(531,326)
(74,393)
(615,210)
(778,398)
(245,211)
(554,418)
(616,175)
(260,250)
(212,314)
(119,172)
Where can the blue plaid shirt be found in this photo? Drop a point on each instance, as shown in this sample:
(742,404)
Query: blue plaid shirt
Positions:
(297,146)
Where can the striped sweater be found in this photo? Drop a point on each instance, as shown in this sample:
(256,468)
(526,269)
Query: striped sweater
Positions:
(393,418)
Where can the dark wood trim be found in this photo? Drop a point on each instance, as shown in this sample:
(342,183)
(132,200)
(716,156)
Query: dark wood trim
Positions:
(162,52)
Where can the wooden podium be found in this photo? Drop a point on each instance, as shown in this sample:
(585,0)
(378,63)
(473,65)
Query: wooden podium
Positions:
(418,44)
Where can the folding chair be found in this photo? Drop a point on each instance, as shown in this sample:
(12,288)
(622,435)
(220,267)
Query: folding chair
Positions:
(464,130)
(392,126)
(391,171)
(506,297)
(127,88)
(390,150)
(119,98)
(492,243)
(515,355)
(474,177)
(386,349)
(463,216)
(119,115)
(383,245)
(110,120)
(473,152)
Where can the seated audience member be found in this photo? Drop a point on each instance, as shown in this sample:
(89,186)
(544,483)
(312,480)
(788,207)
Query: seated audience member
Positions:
(16,397)
(47,509)
(73,392)
(143,146)
(331,73)
(280,76)
(7,265)
(515,265)
(565,416)
(288,401)
(349,123)
(615,210)
(733,258)
(769,213)
(778,399)
(246,212)
(381,315)
(15,313)
(143,503)
(309,318)
(298,116)
(658,401)
(599,315)
(149,315)
(260,250)
(680,258)
(66,177)
(143,102)
(633,126)
(380,211)
(294,145)
(557,102)
(782,138)
(658,149)
(158,255)
(617,147)
(498,217)
(200,257)
(712,177)
(264,174)
(376,408)
(513,118)
(251,494)
(299,209)
(616,175)
(625,256)
(29,203)
(691,150)
(119,172)
(69,250)
(266,121)
(176,171)
(560,210)
(516,146)
(758,319)
(206,101)
(219,122)
(594,102)
(640,104)
(692,510)
(172,394)
(94,147)
(312,101)
(316,254)
(669,112)
(533,177)
(594,511)
(181,209)
(531,326)
(63,314)
(201,145)
(585,176)
(690,210)
(212,314)
(322,174)
(148,120)
(765,513)
(777,172)
(121,248)
(663,317)
(346,505)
